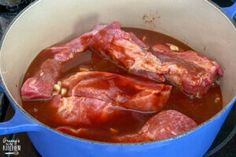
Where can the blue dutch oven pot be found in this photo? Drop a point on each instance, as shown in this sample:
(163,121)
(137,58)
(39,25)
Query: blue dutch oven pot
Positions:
(199,24)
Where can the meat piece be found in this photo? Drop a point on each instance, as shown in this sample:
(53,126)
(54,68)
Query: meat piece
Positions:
(163,125)
(190,56)
(118,90)
(40,86)
(66,52)
(123,49)
(191,72)
(83,111)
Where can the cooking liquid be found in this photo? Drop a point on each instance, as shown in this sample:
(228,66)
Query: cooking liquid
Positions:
(199,110)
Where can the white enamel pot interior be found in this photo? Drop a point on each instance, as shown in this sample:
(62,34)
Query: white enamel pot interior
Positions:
(199,24)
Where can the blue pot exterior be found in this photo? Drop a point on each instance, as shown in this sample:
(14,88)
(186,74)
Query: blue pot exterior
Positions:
(230,11)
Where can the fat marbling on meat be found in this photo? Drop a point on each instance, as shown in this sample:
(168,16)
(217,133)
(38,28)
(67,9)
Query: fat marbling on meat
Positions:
(83,111)
(188,70)
(126,51)
(123,91)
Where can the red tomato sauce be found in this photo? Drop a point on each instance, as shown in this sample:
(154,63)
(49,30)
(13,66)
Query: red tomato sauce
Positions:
(199,110)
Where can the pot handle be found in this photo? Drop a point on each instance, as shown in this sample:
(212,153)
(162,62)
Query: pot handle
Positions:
(230,11)
(229,137)
(18,123)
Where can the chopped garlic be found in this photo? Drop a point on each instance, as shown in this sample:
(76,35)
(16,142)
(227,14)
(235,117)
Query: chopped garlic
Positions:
(144,38)
(35,109)
(84,69)
(57,87)
(113,131)
(63,91)
(217,100)
(173,47)
(59,83)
